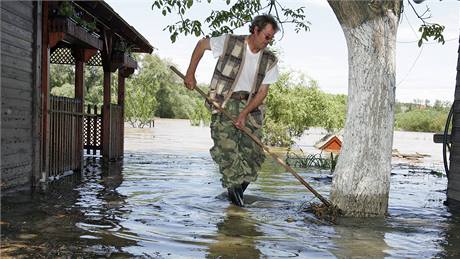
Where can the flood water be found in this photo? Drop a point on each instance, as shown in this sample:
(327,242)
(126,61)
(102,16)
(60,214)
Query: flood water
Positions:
(165,201)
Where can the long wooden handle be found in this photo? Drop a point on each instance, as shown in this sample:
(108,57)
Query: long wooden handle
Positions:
(255,139)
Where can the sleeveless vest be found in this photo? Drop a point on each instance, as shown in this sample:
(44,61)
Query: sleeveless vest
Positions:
(229,66)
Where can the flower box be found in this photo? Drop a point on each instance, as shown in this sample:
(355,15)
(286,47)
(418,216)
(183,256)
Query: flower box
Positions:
(122,59)
(63,28)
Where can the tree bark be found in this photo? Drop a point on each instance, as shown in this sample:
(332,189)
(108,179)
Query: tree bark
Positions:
(361,181)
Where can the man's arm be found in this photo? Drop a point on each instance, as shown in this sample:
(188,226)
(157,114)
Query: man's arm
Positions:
(200,48)
(254,103)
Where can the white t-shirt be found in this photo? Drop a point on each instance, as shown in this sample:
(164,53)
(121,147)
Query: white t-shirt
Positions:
(250,62)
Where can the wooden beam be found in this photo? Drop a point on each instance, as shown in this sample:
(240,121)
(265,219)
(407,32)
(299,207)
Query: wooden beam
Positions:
(36,119)
(45,91)
(89,53)
(80,57)
(106,116)
(121,102)
(55,38)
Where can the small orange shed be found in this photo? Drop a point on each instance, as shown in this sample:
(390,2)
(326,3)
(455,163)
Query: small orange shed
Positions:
(330,143)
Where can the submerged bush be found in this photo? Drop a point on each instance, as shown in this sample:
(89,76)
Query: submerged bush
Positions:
(422,120)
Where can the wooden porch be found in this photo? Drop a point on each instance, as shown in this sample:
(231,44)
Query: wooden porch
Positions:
(70,128)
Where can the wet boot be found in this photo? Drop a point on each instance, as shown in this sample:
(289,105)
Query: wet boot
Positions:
(235,193)
(244,185)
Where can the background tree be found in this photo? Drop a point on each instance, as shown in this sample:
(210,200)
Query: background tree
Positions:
(141,88)
(62,83)
(295,105)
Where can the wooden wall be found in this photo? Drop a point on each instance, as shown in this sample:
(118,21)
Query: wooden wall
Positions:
(20,94)
(453,186)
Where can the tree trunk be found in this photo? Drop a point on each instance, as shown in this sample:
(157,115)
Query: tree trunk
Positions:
(361,180)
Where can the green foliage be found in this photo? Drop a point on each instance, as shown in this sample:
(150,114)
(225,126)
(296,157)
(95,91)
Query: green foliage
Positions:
(61,74)
(423,118)
(94,90)
(66,90)
(293,107)
(62,81)
(156,91)
(302,160)
(67,9)
(199,114)
(239,13)
(276,134)
(428,29)
(123,46)
(141,88)
(431,31)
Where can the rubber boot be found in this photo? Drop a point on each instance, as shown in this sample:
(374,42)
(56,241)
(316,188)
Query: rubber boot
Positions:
(235,193)
(244,185)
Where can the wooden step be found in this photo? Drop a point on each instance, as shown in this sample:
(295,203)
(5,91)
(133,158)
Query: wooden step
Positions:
(439,138)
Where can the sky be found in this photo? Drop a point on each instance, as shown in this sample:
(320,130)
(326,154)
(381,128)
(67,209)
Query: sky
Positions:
(321,54)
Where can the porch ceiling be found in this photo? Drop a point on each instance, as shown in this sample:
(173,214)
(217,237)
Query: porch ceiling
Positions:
(116,24)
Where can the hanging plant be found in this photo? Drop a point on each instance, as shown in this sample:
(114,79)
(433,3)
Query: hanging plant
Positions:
(66,9)
(123,47)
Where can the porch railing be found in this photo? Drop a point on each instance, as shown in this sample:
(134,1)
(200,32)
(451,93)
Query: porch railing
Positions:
(92,130)
(64,153)
(69,129)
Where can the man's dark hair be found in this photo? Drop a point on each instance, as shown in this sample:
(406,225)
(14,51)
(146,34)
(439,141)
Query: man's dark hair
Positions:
(261,21)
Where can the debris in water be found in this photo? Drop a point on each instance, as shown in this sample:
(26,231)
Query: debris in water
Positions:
(323,212)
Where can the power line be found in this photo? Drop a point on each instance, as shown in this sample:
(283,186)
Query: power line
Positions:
(412,67)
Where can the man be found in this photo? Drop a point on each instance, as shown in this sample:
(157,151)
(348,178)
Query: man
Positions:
(244,71)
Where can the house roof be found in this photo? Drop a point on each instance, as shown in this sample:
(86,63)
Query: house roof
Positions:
(330,143)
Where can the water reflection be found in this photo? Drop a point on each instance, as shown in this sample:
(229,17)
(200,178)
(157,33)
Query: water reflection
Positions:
(236,236)
(67,220)
(364,238)
(450,241)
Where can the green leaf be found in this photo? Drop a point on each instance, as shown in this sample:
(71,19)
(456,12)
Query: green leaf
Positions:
(189,3)
(173,37)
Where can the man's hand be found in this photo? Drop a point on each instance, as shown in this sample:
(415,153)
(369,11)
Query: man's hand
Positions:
(241,120)
(190,81)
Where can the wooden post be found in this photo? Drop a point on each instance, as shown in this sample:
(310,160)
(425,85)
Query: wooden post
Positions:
(106,64)
(45,93)
(106,116)
(37,121)
(121,102)
(79,95)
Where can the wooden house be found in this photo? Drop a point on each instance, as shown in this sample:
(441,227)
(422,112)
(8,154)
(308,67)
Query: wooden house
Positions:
(330,143)
(43,136)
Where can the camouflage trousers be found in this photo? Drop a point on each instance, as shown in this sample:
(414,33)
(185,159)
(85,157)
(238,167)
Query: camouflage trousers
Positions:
(238,156)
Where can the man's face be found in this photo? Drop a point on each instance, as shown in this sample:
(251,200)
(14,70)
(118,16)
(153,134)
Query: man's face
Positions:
(264,36)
